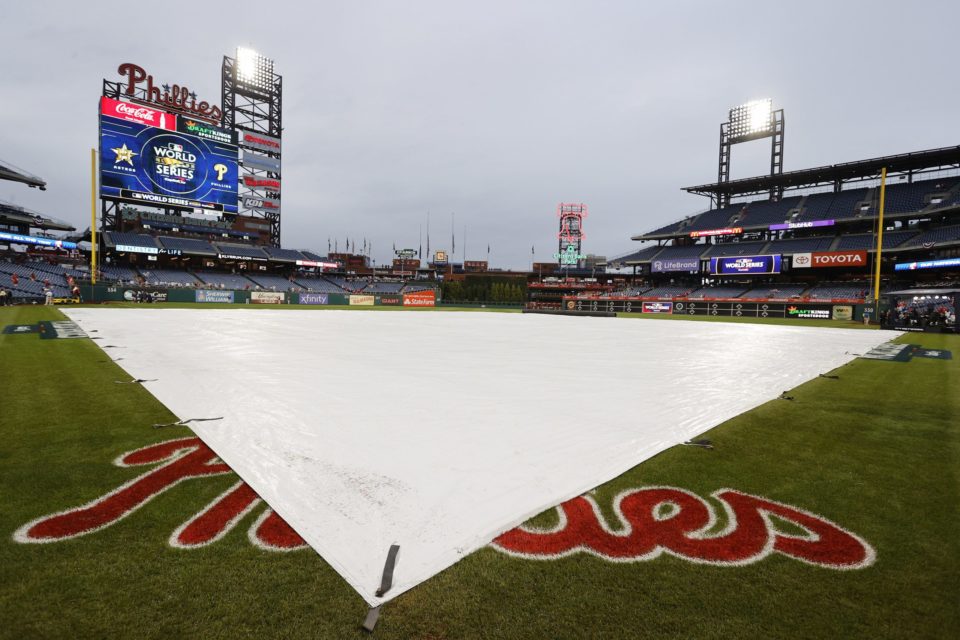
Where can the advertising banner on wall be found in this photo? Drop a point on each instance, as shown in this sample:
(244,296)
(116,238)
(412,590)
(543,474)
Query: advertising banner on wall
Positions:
(745,265)
(842,312)
(390,300)
(259,141)
(314,298)
(256,161)
(801,225)
(261,204)
(927,264)
(362,301)
(420,299)
(260,182)
(822,259)
(657,307)
(690,265)
(42,242)
(152,164)
(129,248)
(212,295)
(267,297)
(807,313)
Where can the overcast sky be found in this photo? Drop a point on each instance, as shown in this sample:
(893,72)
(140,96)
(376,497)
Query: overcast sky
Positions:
(496,111)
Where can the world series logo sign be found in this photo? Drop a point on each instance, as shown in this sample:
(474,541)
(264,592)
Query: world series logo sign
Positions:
(144,158)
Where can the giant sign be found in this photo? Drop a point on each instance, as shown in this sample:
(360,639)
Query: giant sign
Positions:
(42,242)
(172,98)
(927,264)
(830,259)
(690,265)
(156,165)
(745,265)
(259,141)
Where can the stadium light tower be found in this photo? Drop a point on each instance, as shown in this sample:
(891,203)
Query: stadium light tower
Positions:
(252,96)
(753,120)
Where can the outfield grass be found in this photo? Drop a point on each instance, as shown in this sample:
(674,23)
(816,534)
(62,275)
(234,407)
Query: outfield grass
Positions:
(877,451)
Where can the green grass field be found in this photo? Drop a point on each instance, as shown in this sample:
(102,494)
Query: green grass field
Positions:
(876,451)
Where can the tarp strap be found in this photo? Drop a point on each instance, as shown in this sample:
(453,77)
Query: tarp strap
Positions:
(138,380)
(823,375)
(703,442)
(183,422)
(373,614)
(387,581)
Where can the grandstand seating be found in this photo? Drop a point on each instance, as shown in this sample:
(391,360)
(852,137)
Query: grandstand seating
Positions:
(411,288)
(846,290)
(736,249)
(866,241)
(170,277)
(717,292)
(31,288)
(905,198)
(350,286)
(242,250)
(188,245)
(319,285)
(683,251)
(777,291)
(274,283)
(668,292)
(118,273)
(643,255)
(763,213)
(114,238)
(935,236)
(715,218)
(384,287)
(800,245)
(224,280)
(833,206)
(283,255)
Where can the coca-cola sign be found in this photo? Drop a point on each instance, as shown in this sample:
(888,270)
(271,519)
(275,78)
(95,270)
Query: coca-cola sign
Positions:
(138,113)
(172,97)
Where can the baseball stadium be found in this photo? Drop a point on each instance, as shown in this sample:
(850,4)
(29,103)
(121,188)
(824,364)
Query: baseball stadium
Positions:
(743,424)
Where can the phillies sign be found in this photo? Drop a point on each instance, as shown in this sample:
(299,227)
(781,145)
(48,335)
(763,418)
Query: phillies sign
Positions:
(830,259)
(137,113)
(172,97)
(648,521)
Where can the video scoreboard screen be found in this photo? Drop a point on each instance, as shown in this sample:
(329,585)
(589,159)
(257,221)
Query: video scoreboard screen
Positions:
(156,158)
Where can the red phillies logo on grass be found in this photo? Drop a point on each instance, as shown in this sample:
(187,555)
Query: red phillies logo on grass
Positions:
(658,520)
(653,520)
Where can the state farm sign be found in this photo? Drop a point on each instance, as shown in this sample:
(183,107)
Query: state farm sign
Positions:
(830,259)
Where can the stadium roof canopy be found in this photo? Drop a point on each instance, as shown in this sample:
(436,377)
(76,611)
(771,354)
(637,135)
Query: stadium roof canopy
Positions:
(835,174)
(15,174)
(16,214)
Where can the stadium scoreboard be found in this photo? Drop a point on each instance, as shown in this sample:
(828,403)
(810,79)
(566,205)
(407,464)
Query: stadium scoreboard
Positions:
(153,157)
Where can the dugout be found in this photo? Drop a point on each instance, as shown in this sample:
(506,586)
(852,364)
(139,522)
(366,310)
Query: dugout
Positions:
(932,310)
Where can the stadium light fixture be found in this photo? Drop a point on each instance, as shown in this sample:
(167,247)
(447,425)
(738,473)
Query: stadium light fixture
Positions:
(754,118)
(254,70)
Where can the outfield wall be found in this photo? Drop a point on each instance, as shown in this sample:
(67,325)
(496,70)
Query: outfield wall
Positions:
(116,293)
(736,308)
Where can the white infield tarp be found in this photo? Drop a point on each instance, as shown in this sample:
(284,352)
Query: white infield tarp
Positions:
(439,431)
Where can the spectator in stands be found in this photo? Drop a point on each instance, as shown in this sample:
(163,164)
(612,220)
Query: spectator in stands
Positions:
(75,292)
(15,279)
